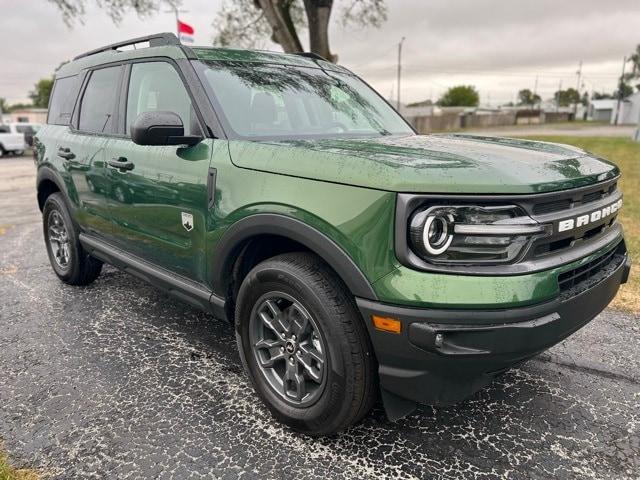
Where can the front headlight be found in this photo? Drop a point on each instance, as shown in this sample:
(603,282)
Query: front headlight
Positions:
(471,234)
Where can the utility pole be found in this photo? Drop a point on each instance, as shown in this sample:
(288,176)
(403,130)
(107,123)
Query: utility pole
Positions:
(558,96)
(620,83)
(399,70)
(575,107)
(533,98)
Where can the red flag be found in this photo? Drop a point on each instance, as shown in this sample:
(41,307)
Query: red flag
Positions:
(184,28)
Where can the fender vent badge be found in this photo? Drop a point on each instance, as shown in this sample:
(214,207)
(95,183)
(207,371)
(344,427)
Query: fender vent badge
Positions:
(187,221)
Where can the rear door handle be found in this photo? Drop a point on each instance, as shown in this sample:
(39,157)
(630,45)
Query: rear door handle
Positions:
(121,163)
(66,153)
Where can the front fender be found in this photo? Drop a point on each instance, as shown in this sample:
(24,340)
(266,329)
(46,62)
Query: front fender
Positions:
(293,229)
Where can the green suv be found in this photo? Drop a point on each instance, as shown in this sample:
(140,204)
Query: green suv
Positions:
(356,259)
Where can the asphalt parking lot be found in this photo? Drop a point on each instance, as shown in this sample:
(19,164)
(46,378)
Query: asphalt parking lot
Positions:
(116,380)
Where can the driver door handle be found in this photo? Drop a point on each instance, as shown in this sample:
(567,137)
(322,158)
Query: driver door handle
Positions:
(121,163)
(66,153)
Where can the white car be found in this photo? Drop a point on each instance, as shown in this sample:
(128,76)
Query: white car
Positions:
(11,140)
(27,129)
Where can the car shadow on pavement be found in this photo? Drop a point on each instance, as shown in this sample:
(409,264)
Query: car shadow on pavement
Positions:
(526,417)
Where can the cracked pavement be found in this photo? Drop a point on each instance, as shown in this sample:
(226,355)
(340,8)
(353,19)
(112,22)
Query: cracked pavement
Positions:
(119,380)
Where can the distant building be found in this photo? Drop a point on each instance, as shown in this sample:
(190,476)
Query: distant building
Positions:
(417,109)
(602,110)
(26,115)
(629,110)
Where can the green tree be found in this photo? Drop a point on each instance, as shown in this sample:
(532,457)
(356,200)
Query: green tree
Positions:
(19,106)
(74,9)
(601,96)
(527,97)
(7,108)
(245,23)
(41,93)
(634,59)
(567,97)
(460,96)
(585,99)
(624,90)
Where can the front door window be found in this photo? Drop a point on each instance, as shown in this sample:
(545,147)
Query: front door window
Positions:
(156,86)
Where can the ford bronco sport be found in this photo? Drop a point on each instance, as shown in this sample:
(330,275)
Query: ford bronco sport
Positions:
(356,258)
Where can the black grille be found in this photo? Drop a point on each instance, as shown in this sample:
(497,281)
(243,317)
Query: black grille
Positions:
(592,272)
(566,203)
(567,206)
(592,197)
(551,207)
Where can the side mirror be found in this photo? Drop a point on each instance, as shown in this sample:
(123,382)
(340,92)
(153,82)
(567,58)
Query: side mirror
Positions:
(161,128)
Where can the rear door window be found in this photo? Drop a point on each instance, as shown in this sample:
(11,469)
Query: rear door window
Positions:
(63,98)
(97,109)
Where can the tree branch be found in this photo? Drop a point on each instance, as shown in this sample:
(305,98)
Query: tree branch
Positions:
(276,13)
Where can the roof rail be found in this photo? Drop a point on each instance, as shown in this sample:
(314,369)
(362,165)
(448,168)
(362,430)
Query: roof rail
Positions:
(312,55)
(156,40)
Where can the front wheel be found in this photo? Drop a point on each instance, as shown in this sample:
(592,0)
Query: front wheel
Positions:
(304,345)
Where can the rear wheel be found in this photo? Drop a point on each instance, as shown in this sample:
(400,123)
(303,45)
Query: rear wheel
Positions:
(67,257)
(303,344)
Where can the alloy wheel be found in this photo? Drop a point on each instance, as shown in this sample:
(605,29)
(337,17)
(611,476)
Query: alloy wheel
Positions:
(288,348)
(58,237)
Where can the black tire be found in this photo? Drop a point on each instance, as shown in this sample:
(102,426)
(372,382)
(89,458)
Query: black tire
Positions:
(350,387)
(18,153)
(80,268)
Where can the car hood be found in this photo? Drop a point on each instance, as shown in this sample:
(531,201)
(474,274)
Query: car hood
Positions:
(429,163)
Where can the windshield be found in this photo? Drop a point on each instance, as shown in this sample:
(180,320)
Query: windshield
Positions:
(276,101)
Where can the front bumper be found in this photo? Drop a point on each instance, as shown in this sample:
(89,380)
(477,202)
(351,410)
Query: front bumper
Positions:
(443,356)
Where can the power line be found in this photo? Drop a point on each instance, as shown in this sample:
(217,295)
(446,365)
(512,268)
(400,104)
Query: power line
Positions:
(505,72)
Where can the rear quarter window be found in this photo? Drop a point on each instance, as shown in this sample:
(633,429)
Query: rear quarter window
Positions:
(63,98)
(99,100)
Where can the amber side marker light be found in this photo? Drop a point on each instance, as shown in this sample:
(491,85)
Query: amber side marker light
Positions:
(386,324)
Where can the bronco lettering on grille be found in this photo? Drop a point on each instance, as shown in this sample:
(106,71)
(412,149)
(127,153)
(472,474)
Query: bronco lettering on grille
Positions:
(582,220)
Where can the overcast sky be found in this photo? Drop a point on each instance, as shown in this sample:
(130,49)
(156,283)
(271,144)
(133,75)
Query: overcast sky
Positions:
(500,46)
